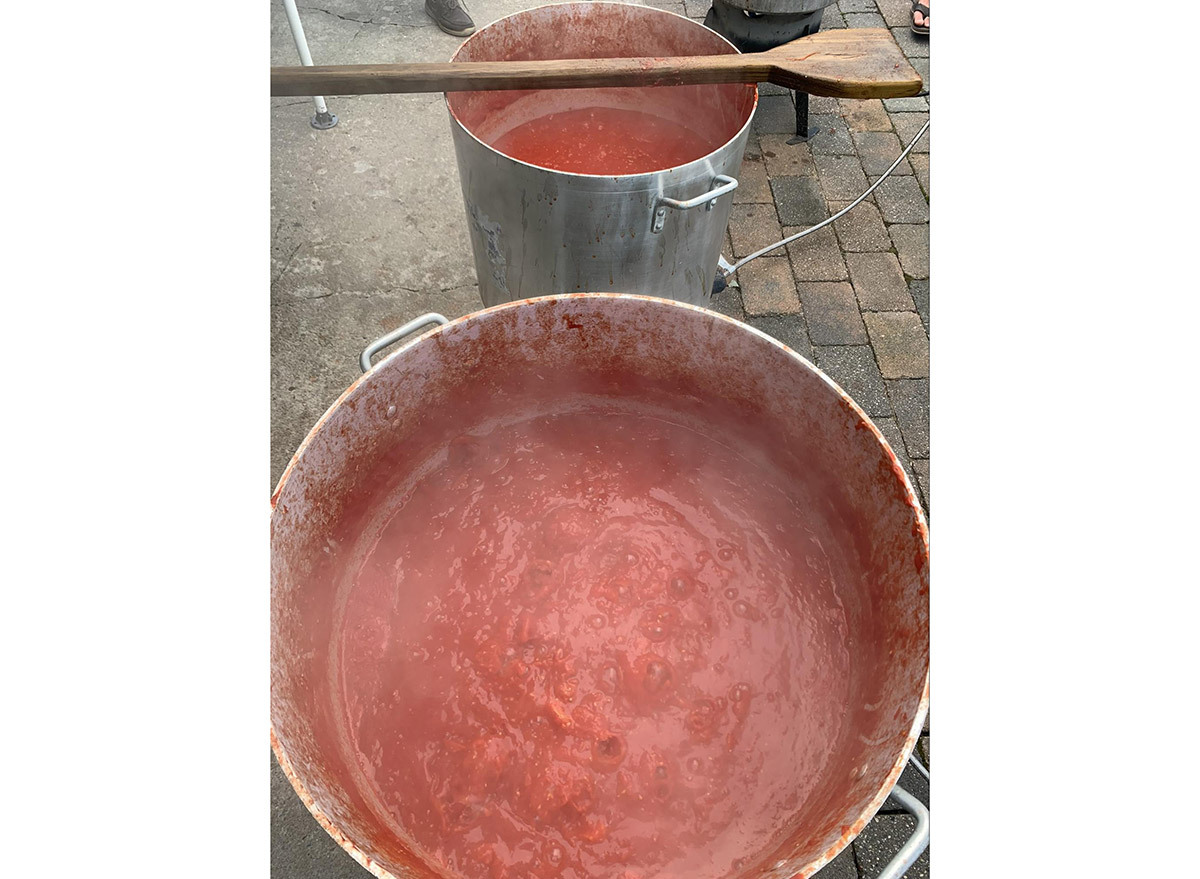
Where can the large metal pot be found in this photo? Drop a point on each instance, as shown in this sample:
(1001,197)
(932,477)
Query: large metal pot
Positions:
(535,353)
(538,231)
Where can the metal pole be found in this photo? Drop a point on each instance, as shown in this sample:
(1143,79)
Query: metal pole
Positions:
(323,119)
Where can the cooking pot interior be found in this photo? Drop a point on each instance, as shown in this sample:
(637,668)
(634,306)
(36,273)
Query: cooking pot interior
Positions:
(418,413)
(714,113)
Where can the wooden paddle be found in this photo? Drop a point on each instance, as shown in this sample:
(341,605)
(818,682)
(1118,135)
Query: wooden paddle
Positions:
(847,63)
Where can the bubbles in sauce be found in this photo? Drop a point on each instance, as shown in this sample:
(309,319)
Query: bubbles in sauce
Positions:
(603,140)
(569,673)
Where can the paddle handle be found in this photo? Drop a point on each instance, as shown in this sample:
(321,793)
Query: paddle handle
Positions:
(475,76)
(842,63)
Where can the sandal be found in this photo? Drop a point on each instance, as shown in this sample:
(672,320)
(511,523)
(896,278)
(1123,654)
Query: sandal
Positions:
(918,6)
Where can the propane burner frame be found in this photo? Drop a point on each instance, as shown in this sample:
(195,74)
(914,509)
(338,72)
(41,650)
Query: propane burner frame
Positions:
(754,31)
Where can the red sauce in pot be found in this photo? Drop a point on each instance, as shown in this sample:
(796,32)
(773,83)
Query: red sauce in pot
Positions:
(594,644)
(603,140)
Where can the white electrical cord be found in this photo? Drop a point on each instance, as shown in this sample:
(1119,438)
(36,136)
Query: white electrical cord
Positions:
(726,269)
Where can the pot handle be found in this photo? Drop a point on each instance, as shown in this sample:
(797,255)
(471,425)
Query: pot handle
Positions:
(720,185)
(396,335)
(917,843)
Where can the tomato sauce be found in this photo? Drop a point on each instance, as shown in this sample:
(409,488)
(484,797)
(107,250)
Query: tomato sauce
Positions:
(593,643)
(603,140)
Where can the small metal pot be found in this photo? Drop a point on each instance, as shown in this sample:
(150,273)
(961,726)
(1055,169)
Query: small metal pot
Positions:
(537,231)
(531,353)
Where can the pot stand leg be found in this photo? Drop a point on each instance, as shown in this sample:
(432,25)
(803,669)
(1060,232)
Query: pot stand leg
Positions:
(803,132)
(916,844)
(364,361)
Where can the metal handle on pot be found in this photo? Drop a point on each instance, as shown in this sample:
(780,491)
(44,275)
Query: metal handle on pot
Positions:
(720,185)
(917,843)
(396,335)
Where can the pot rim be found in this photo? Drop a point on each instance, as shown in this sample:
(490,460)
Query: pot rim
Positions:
(872,807)
(692,168)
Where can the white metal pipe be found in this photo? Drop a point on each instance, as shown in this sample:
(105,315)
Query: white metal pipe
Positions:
(293,17)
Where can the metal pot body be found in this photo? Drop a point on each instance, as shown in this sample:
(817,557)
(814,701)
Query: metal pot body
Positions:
(532,353)
(537,231)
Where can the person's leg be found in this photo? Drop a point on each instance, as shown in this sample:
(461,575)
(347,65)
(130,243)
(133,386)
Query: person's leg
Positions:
(451,16)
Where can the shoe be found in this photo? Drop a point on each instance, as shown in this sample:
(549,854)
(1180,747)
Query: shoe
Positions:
(450,16)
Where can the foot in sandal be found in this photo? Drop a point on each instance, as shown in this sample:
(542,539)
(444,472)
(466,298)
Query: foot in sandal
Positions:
(920,17)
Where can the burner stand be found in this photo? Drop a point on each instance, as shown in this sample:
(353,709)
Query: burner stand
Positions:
(758,31)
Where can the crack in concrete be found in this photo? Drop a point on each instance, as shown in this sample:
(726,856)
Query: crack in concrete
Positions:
(287,264)
(310,100)
(299,300)
(360,21)
(421,290)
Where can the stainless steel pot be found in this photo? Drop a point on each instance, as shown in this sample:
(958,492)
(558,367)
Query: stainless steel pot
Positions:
(533,353)
(537,231)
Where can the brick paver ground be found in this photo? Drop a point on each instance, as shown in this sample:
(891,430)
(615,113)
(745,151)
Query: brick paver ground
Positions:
(856,301)
(858,296)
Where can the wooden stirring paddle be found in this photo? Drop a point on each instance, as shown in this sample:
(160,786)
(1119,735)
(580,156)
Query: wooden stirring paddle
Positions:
(847,63)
